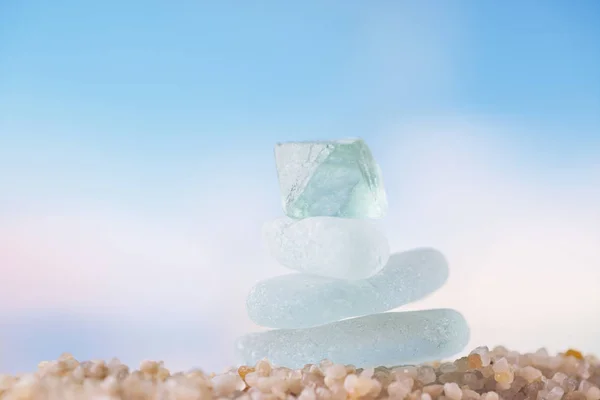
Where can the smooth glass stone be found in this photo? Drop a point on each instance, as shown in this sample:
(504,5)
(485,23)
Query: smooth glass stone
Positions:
(327,246)
(375,340)
(301,300)
(337,178)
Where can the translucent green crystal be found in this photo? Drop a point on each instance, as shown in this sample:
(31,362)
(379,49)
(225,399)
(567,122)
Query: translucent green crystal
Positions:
(337,178)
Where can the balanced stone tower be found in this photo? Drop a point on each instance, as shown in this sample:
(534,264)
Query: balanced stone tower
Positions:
(335,307)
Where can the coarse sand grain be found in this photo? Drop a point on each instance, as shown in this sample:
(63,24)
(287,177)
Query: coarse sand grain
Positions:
(497,374)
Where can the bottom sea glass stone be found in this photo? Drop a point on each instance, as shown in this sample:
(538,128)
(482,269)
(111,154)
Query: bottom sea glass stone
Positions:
(385,339)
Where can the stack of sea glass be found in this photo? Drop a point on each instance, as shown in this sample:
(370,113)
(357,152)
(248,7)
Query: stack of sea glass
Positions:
(335,307)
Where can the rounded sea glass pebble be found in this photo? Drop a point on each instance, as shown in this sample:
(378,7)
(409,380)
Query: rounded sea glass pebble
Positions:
(375,340)
(301,300)
(327,246)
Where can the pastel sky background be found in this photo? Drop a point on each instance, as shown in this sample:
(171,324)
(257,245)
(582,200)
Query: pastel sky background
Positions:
(136,164)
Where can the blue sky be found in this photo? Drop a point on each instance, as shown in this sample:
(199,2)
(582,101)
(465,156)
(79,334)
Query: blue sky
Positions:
(144,91)
(137,136)
(167,78)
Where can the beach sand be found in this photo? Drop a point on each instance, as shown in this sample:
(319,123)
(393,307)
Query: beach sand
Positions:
(497,374)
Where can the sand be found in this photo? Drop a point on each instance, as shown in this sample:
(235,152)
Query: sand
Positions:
(483,375)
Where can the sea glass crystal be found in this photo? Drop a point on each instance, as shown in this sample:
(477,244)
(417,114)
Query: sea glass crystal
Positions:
(338,178)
